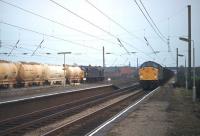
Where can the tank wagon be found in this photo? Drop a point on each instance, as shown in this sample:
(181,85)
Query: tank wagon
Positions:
(93,73)
(54,74)
(30,74)
(152,74)
(74,75)
(24,74)
(8,74)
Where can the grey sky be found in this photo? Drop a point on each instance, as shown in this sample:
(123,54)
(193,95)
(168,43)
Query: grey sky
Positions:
(170,17)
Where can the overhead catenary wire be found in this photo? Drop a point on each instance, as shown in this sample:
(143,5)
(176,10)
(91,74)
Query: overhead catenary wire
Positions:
(152,20)
(121,41)
(122,45)
(96,26)
(115,22)
(18,53)
(39,54)
(21,53)
(91,23)
(75,14)
(48,35)
(9,46)
(56,22)
(149,21)
(149,45)
(27,49)
(112,20)
(32,50)
(55,50)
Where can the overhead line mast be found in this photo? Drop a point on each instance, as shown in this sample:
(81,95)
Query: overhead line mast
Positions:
(39,46)
(13,47)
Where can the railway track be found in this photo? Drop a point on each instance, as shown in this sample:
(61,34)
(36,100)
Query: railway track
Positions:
(86,123)
(17,107)
(21,124)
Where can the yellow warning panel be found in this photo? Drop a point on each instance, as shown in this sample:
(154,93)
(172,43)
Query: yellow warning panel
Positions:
(148,73)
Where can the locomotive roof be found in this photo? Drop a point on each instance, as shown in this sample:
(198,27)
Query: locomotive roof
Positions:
(150,64)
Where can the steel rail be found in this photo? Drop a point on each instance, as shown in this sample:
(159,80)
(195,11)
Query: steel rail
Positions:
(27,121)
(64,127)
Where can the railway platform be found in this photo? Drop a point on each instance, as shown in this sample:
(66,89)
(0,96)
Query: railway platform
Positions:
(169,111)
(18,94)
(34,92)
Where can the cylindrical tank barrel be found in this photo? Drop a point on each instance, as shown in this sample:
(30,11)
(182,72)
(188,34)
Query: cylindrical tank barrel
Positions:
(74,73)
(8,73)
(54,72)
(30,72)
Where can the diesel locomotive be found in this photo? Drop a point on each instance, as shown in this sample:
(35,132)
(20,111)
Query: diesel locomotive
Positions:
(152,74)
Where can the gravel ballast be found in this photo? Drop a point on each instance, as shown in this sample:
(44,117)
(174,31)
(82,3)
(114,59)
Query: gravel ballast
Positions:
(169,112)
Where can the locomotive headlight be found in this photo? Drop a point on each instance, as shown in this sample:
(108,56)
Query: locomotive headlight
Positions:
(141,76)
(155,76)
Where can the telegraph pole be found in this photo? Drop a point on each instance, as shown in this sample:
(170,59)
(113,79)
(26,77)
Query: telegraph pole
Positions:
(194,86)
(103,58)
(176,65)
(64,68)
(186,81)
(189,47)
